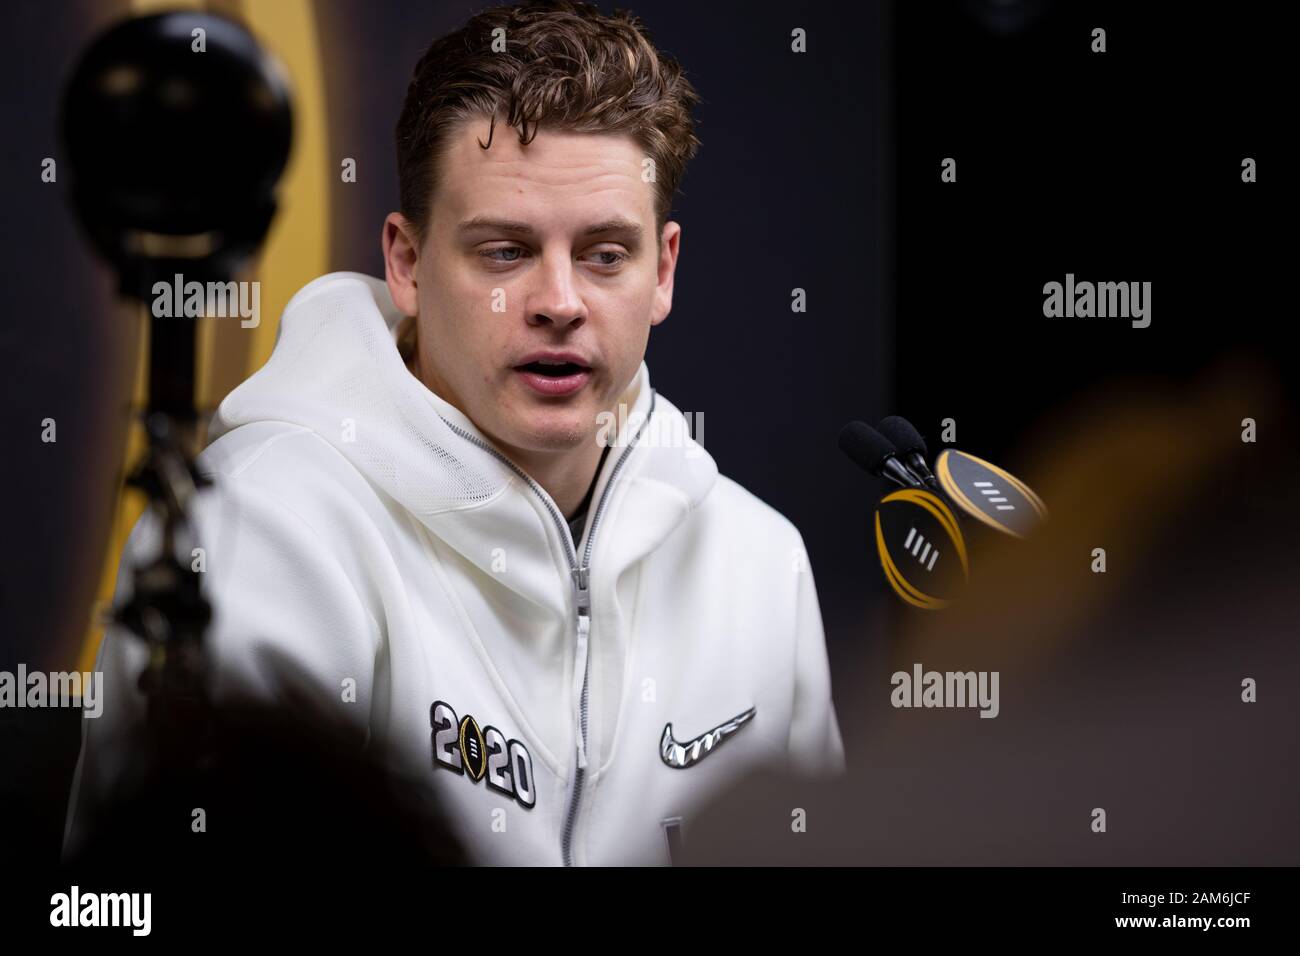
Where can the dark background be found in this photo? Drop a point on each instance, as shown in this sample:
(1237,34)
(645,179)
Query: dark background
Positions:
(1120,166)
(818,171)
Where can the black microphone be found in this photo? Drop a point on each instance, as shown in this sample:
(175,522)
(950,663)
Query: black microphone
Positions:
(876,453)
(911,448)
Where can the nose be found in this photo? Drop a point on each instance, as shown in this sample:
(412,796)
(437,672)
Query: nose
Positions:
(555,299)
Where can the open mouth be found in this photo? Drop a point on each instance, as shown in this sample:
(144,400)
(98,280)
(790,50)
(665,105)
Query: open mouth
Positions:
(554,379)
(553,370)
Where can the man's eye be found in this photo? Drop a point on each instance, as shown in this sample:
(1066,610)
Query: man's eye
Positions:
(617,260)
(491,253)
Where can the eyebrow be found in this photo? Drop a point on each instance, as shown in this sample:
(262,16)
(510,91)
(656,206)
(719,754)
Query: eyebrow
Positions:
(616,224)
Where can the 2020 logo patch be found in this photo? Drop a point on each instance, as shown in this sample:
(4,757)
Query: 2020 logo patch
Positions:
(460,745)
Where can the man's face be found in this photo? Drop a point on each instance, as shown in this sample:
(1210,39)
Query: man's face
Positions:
(544,248)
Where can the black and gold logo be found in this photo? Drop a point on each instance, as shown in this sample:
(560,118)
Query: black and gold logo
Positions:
(921,548)
(472,746)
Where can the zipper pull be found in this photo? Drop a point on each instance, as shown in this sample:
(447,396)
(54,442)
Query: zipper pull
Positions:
(582,601)
(579,677)
(581,590)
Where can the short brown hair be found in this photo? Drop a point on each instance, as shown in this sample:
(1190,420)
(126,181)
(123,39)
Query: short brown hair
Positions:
(565,66)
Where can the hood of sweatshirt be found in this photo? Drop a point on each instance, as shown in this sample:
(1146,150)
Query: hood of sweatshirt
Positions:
(335,369)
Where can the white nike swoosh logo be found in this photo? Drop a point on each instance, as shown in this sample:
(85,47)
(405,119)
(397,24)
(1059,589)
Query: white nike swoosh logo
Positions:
(680,756)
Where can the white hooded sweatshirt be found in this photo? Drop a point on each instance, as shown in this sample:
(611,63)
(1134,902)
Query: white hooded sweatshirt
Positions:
(566,702)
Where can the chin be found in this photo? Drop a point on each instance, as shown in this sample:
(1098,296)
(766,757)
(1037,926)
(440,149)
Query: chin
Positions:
(553,429)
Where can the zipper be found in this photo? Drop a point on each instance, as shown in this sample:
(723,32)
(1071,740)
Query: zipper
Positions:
(580,574)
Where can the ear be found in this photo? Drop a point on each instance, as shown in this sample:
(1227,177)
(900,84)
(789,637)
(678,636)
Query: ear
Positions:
(668,248)
(401,255)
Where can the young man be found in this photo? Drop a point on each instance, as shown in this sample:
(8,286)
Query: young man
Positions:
(451,510)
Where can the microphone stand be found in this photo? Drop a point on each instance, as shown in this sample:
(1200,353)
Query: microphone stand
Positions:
(156,205)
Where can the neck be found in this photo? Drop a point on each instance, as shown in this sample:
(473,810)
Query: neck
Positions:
(566,476)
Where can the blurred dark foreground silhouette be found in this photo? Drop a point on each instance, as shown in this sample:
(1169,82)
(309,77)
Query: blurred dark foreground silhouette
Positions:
(282,803)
